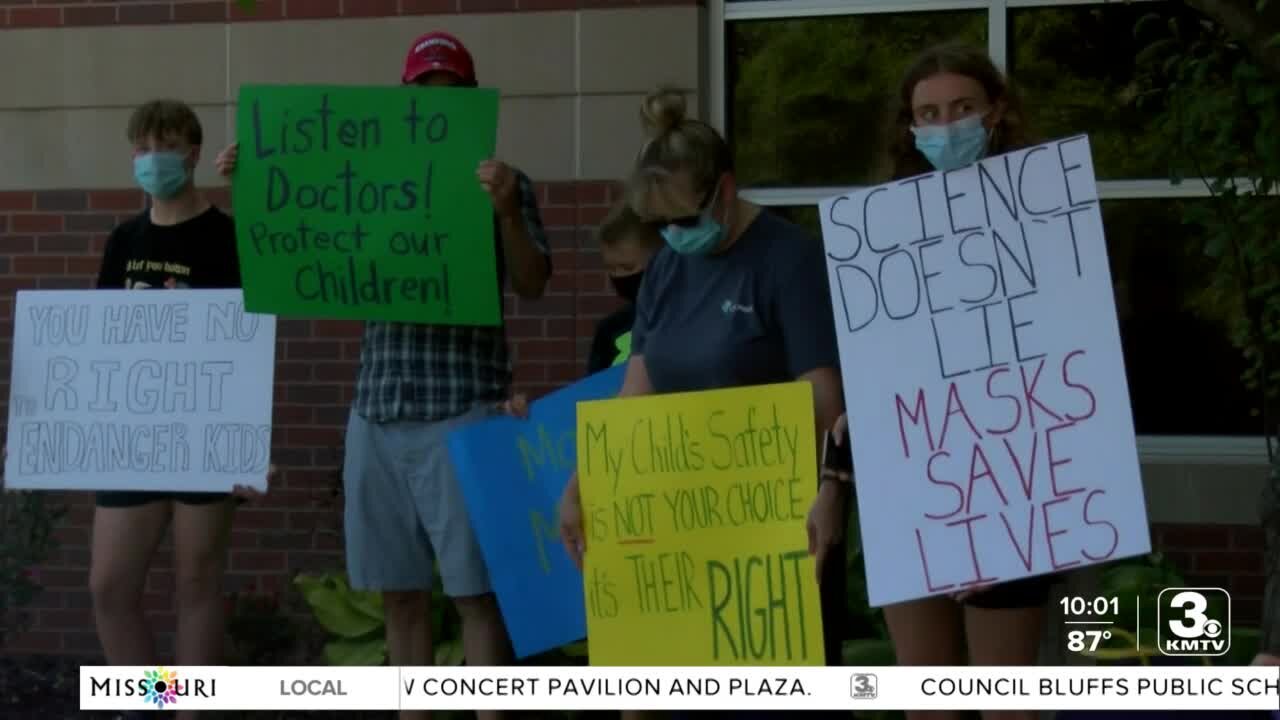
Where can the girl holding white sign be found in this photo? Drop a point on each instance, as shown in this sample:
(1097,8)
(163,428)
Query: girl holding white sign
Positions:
(955,109)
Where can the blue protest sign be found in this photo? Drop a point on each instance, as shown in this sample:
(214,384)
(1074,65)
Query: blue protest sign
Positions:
(512,472)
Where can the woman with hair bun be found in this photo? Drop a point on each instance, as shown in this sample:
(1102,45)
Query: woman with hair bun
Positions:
(737,297)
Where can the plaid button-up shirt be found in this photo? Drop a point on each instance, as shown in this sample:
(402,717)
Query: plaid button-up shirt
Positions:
(434,372)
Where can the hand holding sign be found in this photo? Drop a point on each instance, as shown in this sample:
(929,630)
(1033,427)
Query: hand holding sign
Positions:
(570,521)
(499,180)
(517,406)
(825,524)
(226,160)
(250,493)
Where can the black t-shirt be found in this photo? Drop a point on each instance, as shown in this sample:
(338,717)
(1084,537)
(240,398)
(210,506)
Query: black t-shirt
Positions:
(604,347)
(199,253)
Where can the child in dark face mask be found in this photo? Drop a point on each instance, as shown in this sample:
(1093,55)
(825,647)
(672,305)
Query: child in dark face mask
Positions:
(627,243)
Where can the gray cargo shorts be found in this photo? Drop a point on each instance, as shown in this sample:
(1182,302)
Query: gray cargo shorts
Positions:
(404,504)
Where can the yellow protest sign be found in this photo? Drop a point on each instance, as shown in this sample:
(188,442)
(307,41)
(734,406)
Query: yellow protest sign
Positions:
(694,508)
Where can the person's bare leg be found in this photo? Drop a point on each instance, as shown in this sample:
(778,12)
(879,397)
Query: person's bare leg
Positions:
(409,635)
(123,543)
(927,632)
(484,637)
(1004,637)
(201,534)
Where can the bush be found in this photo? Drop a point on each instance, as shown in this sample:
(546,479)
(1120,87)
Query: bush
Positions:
(27,520)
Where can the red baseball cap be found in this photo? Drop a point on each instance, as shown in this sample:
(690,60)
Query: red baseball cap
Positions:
(439,51)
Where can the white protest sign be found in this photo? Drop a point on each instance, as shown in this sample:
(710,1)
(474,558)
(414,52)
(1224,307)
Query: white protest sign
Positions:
(989,412)
(130,390)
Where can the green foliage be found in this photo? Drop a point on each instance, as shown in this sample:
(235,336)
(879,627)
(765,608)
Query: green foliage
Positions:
(1077,67)
(1137,584)
(27,520)
(1220,123)
(868,623)
(869,644)
(791,78)
(356,621)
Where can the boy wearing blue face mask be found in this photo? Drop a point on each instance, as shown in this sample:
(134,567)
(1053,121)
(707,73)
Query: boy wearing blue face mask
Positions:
(180,241)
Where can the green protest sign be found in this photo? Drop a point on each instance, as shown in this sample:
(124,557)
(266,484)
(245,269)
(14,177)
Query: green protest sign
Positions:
(362,203)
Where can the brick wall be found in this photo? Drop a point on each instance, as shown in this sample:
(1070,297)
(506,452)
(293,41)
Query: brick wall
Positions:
(53,240)
(73,13)
(1225,556)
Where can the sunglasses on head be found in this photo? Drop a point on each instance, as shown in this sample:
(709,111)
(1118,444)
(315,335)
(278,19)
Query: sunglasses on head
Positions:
(688,221)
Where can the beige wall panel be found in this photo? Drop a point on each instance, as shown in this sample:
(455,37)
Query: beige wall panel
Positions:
(84,148)
(1195,493)
(634,50)
(520,53)
(536,135)
(112,66)
(612,135)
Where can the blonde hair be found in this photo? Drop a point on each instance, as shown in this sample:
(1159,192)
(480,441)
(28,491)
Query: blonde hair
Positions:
(623,224)
(676,144)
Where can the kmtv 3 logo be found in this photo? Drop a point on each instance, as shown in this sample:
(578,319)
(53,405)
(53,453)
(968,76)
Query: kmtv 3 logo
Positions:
(862,686)
(1193,621)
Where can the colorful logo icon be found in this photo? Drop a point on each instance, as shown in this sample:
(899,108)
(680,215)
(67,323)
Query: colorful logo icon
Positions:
(162,687)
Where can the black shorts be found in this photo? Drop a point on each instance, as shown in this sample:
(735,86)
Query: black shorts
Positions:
(1032,592)
(130,498)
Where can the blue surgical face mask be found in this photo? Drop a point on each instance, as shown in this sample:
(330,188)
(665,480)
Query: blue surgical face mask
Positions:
(697,238)
(955,145)
(161,174)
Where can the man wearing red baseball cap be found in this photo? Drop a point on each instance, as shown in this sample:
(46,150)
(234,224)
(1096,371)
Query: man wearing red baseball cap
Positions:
(404,511)
(439,58)
(416,384)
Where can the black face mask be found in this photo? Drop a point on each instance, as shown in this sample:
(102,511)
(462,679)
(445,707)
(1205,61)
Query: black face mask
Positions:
(627,286)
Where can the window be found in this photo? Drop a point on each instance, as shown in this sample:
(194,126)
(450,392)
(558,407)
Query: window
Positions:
(788,78)
(803,89)
(1079,64)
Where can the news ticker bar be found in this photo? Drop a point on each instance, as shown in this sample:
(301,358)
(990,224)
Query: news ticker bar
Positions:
(687,688)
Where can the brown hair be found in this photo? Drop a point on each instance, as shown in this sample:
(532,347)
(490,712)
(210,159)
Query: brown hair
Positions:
(623,224)
(904,160)
(676,143)
(161,118)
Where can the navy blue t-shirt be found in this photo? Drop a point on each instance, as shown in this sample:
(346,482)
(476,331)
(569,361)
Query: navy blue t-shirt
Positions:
(756,314)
